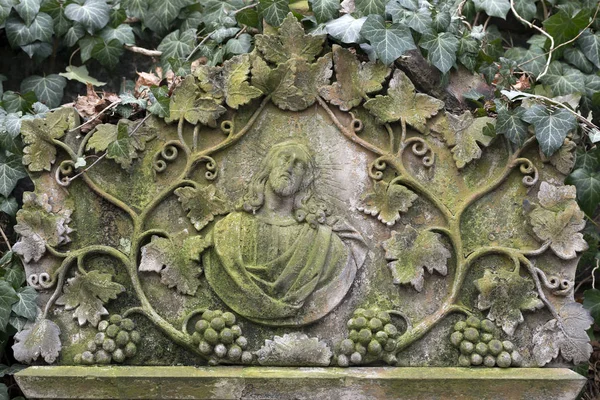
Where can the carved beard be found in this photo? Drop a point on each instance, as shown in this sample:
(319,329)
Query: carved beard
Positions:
(283,186)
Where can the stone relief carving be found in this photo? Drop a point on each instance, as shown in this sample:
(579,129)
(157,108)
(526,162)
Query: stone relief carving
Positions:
(210,223)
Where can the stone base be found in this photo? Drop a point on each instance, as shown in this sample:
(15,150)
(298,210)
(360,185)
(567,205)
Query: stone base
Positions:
(298,383)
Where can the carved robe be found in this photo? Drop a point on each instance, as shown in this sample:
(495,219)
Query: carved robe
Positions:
(281,274)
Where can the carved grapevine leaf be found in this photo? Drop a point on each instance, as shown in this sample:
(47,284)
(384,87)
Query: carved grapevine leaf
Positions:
(41,339)
(354,80)
(506,294)
(465,135)
(121,142)
(402,102)
(39,225)
(387,201)
(564,159)
(566,336)
(87,294)
(185,104)
(176,259)
(38,133)
(559,220)
(290,43)
(202,204)
(410,252)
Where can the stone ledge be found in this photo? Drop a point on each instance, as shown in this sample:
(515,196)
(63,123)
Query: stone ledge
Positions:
(121,382)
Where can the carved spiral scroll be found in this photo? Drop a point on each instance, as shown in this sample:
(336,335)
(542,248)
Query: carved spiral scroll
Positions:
(376,169)
(210,166)
(63,173)
(556,285)
(529,170)
(168,154)
(421,149)
(227,127)
(41,281)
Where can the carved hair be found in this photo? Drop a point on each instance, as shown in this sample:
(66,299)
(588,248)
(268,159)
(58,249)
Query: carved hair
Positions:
(307,207)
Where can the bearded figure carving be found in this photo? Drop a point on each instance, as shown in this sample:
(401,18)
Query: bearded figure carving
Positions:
(283,260)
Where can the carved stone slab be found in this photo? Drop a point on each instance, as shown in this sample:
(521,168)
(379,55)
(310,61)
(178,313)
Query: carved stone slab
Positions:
(299,207)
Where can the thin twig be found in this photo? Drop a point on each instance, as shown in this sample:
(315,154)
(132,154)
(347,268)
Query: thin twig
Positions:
(143,51)
(537,28)
(462,17)
(593,276)
(199,44)
(111,105)
(5,239)
(246,8)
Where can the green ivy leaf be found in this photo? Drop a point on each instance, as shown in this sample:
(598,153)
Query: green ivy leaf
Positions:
(346,29)
(369,7)
(551,126)
(575,57)
(402,102)
(591,302)
(5,7)
(107,53)
(161,13)
(441,20)
(325,10)
(55,9)
(493,8)
(178,45)
(417,18)
(219,13)
(26,306)
(121,149)
(563,79)
(9,206)
(27,9)
(532,60)
(74,33)
(48,89)
(441,50)
(202,204)
(13,102)
(589,43)
(563,27)
(410,252)
(8,297)
(160,107)
(510,123)
(273,11)
(93,14)
(389,42)
(136,8)
(353,79)
(387,202)
(20,34)
(81,74)
(588,160)
(11,170)
(123,33)
(87,294)
(526,9)
(587,183)
(240,45)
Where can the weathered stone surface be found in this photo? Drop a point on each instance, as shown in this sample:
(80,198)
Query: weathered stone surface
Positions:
(252,383)
(263,224)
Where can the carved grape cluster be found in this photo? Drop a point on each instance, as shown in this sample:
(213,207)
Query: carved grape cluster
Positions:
(116,341)
(478,343)
(372,337)
(219,338)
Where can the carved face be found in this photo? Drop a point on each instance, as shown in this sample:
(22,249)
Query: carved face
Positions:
(287,173)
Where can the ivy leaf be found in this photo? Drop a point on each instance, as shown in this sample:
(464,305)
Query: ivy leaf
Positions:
(26,306)
(389,42)
(40,153)
(402,102)
(290,42)
(566,335)
(80,74)
(38,225)
(176,259)
(575,57)
(178,45)
(532,60)
(11,170)
(93,14)
(202,204)
(493,8)
(8,297)
(74,33)
(591,302)
(184,104)
(325,10)
(564,28)
(441,49)
(160,107)
(107,53)
(273,11)
(587,183)
(20,34)
(237,89)
(589,43)
(510,123)
(589,160)
(551,126)
(354,80)
(409,13)
(219,13)
(240,45)
(87,294)
(506,294)
(123,33)
(14,273)
(41,339)
(559,220)
(135,8)
(27,9)
(387,202)
(526,9)
(346,29)
(410,252)
(465,136)
(369,7)
(105,134)
(48,89)
(563,79)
